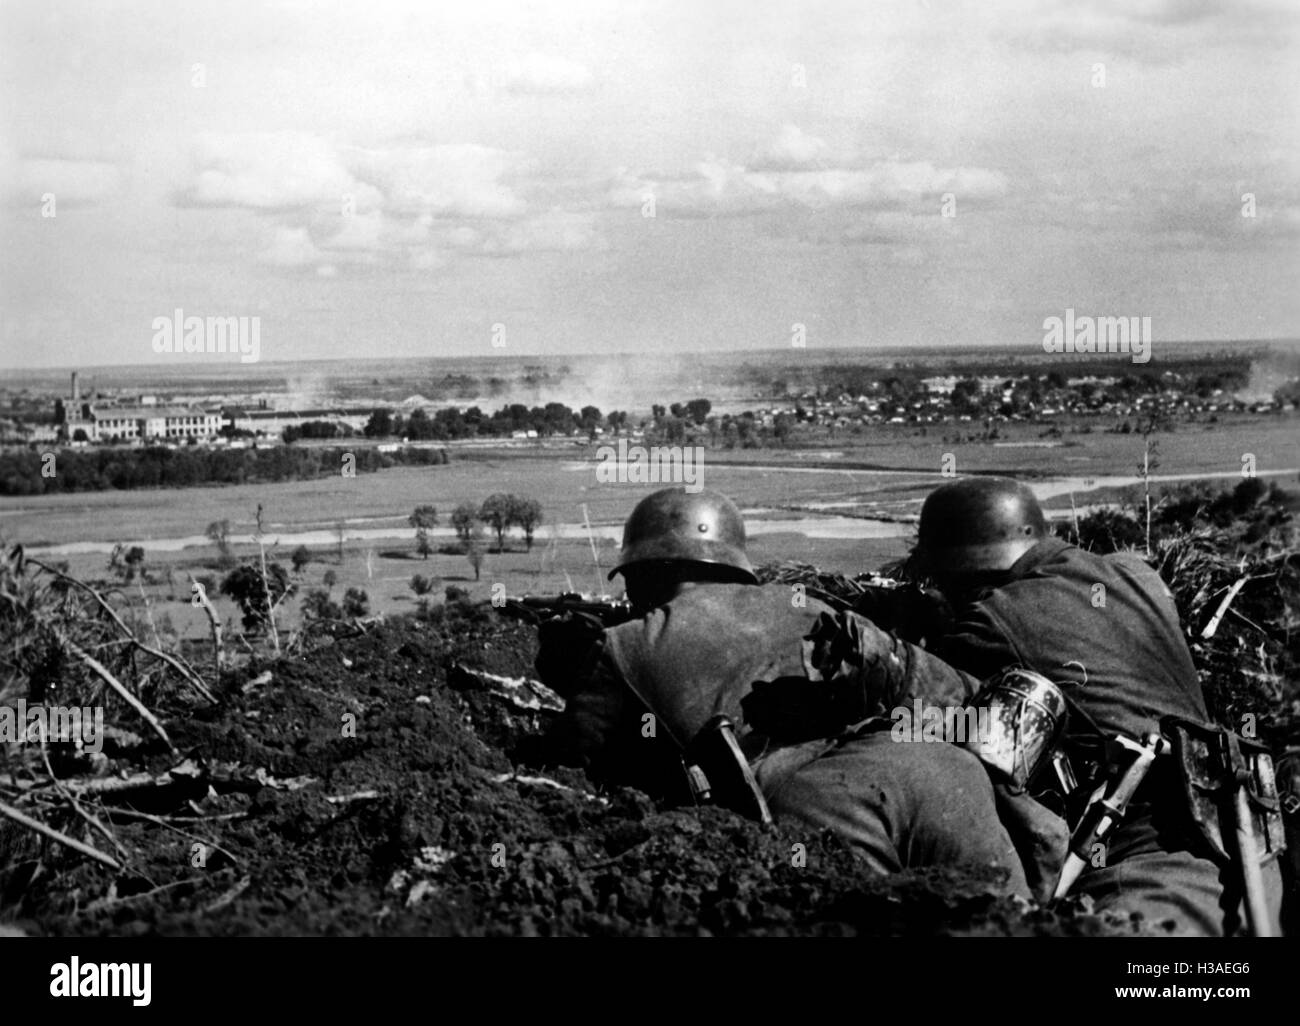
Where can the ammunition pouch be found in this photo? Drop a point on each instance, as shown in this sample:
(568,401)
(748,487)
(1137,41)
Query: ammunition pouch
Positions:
(1210,763)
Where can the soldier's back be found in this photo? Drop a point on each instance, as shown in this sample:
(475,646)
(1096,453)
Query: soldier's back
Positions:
(698,655)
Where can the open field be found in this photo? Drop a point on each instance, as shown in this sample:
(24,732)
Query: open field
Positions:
(796,503)
(563,479)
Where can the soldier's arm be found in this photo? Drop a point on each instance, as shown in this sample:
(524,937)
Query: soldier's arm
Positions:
(977,645)
(883,671)
(596,704)
(568,647)
(852,671)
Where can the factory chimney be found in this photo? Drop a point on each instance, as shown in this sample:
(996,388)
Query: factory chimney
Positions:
(76,394)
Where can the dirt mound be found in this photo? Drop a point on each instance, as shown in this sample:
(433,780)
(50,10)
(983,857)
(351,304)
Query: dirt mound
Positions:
(356,791)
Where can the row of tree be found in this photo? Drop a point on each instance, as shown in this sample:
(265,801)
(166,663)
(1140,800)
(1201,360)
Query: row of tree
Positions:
(451,423)
(31,472)
(498,512)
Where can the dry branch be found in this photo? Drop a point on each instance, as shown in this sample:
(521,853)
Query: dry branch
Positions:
(22,819)
(162,822)
(103,673)
(170,660)
(71,799)
(1213,625)
(200,595)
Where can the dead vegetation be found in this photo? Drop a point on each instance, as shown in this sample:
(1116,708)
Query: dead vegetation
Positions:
(362,781)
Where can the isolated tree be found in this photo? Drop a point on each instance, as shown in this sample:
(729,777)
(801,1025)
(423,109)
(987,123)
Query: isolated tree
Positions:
(474,553)
(421,585)
(380,424)
(257,595)
(1150,463)
(316,605)
(589,418)
(528,515)
(218,533)
(424,516)
(134,560)
(127,562)
(356,603)
(464,519)
(422,519)
(966,396)
(699,409)
(300,558)
(329,579)
(498,512)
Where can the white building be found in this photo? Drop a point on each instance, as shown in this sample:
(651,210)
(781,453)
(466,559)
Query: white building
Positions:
(92,422)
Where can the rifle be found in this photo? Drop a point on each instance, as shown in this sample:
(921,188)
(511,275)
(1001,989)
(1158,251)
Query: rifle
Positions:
(603,609)
(568,625)
(904,608)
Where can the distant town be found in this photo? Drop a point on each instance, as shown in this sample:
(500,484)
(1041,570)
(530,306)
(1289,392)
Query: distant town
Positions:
(854,404)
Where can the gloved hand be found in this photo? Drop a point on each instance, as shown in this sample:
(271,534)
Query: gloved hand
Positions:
(566,649)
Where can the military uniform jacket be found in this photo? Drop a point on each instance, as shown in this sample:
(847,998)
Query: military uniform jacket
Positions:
(649,685)
(1104,627)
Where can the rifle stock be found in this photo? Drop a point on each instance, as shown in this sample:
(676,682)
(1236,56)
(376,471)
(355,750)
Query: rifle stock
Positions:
(536,609)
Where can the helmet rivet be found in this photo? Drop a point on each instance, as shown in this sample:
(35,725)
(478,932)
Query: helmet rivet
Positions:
(673,525)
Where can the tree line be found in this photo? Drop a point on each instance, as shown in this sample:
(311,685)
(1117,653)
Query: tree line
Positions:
(498,512)
(450,423)
(29,472)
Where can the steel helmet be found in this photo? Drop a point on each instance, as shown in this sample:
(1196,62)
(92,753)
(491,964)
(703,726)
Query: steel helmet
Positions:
(697,527)
(977,525)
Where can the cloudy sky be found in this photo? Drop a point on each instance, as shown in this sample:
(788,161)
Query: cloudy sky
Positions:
(392,178)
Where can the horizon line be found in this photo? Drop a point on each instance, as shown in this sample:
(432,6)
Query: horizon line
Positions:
(923,348)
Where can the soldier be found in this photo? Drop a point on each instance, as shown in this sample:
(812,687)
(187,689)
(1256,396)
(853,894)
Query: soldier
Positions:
(1105,628)
(641,692)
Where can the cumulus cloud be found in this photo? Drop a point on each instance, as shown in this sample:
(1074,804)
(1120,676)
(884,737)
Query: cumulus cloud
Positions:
(291,247)
(793,149)
(73,182)
(542,74)
(1217,212)
(359,232)
(448,180)
(337,207)
(1159,31)
(555,231)
(271,171)
(720,188)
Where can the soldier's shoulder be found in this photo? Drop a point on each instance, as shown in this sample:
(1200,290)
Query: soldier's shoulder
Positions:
(747,600)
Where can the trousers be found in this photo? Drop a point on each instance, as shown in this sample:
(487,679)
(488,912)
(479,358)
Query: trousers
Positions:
(1152,867)
(898,804)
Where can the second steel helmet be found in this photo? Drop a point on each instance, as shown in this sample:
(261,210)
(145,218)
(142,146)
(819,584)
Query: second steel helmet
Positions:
(978,525)
(698,527)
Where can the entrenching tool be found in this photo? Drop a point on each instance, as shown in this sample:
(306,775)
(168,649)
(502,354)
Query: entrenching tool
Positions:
(1230,787)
